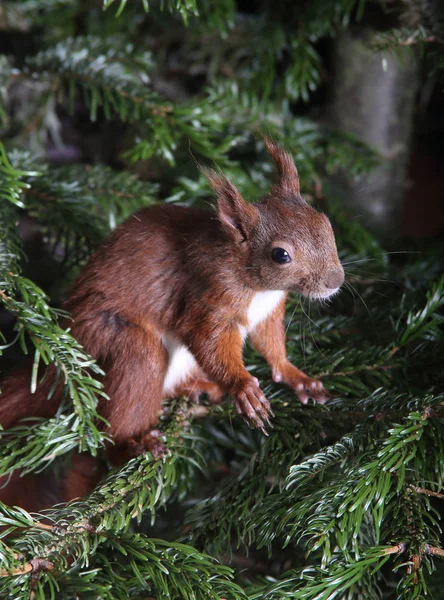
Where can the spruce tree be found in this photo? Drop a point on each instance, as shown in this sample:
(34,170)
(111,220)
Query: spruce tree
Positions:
(338,501)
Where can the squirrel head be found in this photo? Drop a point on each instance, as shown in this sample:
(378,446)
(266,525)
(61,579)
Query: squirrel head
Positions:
(281,242)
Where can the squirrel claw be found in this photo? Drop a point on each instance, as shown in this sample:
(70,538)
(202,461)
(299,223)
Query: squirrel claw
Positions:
(264,431)
(251,403)
(307,388)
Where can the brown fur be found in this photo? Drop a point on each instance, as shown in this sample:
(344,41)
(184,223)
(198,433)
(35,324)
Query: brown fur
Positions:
(36,491)
(191,273)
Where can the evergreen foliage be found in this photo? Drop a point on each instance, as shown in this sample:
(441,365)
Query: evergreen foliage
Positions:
(341,501)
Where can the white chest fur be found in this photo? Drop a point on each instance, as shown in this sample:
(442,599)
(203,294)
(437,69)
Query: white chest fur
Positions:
(261,306)
(180,360)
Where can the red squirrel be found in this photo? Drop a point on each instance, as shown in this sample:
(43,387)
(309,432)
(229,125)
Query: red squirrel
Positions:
(167,301)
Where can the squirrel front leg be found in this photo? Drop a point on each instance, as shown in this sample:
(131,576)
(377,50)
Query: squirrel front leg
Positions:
(219,354)
(268,338)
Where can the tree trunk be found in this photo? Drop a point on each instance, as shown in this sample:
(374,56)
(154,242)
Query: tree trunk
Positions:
(373,98)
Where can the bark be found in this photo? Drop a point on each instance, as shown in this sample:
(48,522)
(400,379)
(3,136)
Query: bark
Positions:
(373,97)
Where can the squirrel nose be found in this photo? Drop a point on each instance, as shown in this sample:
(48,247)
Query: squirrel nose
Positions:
(334,279)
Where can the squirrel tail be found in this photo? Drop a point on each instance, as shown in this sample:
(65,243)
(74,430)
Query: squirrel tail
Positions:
(38,491)
(18,402)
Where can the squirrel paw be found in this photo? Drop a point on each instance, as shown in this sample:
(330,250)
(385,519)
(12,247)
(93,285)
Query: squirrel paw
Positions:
(310,388)
(198,387)
(304,386)
(149,442)
(251,403)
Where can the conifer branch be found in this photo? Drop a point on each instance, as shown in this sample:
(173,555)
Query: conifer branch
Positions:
(77,206)
(185,8)
(406,36)
(313,583)
(53,345)
(82,527)
(426,320)
(345,492)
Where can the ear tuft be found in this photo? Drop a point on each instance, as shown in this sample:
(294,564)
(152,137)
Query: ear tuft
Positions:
(236,215)
(222,186)
(287,174)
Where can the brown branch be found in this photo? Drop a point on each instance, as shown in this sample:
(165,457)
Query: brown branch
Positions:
(18,571)
(434,550)
(41,525)
(397,549)
(426,492)
(416,559)
(413,41)
(34,566)
(5,297)
(414,566)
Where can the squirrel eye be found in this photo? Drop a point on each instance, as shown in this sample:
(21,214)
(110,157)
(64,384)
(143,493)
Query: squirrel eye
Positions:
(280,256)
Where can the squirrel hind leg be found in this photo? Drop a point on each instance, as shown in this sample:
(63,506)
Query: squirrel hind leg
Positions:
(135,368)
(199,385)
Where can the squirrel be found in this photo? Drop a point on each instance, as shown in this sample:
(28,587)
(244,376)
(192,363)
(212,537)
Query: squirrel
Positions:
(167,301)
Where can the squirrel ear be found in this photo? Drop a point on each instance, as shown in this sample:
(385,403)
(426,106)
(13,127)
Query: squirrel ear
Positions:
(236,215)
(286,169)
